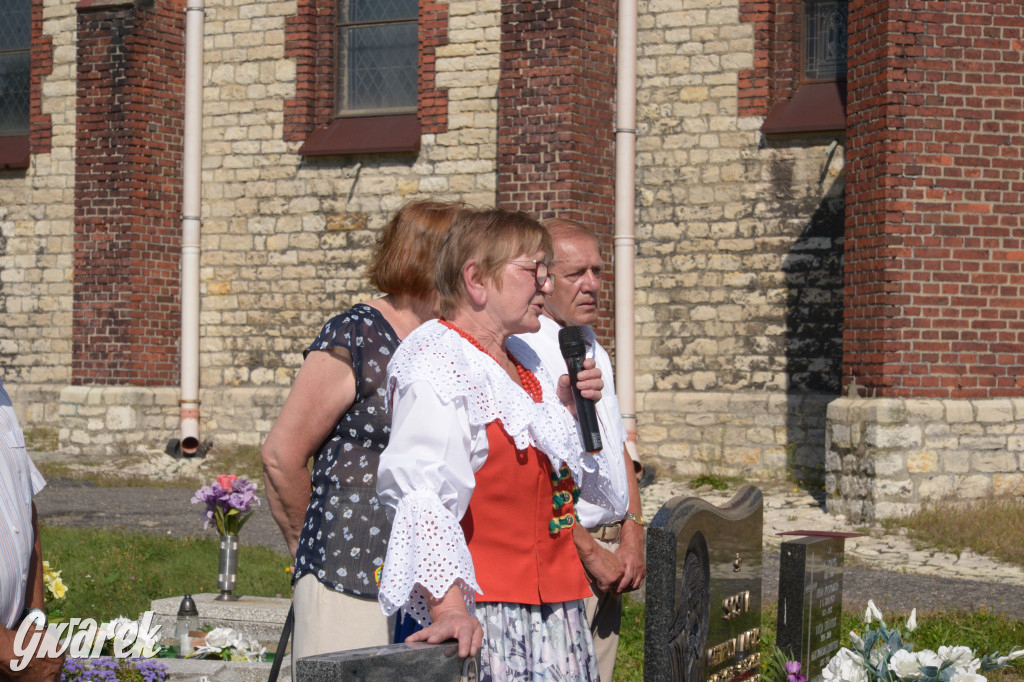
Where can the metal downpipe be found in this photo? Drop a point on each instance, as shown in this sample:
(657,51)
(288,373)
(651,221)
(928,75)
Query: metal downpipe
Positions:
(190,225)
(625,240)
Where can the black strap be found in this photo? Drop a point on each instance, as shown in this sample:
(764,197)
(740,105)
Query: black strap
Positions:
(286,632)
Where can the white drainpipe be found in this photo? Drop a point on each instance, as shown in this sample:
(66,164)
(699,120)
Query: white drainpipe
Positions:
(190,222)
(625,240)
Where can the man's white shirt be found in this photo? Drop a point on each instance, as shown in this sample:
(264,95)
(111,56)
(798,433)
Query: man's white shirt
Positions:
(613,431)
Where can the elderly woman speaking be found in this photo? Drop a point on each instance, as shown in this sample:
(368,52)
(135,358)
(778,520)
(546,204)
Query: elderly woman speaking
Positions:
(483,464)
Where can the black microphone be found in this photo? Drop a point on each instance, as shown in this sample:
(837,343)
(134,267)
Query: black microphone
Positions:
(574,350)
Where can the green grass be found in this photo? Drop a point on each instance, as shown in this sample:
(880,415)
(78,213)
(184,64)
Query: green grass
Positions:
(716,481)
(42,438)
(629,663)
(992,525)
(984,632)
(114,573)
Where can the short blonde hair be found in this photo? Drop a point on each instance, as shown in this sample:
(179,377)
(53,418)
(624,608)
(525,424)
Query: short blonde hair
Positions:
(492,237)
(406,250)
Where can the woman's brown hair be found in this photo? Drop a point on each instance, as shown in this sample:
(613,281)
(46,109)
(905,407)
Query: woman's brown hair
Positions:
(403,261)
(492,237)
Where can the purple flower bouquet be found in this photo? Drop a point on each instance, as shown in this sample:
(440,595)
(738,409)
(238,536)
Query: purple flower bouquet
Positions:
(228,501)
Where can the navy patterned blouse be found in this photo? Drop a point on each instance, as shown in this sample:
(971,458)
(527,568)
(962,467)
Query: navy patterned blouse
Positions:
(344,538)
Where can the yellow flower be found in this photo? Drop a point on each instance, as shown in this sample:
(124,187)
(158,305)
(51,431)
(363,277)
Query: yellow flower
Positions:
(58,588)
(52,581)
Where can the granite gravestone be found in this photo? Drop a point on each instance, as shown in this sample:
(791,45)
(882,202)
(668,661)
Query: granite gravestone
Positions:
(413,662)
(810,600)
(703,592)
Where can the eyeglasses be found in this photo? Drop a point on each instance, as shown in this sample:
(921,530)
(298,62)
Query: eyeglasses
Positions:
(540,271)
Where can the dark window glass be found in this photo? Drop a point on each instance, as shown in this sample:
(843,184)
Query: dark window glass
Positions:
(15,35)
(825,40)
(377,56)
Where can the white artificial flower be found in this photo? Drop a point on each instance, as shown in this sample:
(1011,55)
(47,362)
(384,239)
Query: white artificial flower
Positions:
(872,613)
(219,638)
(961,657)
(856,640)
(1012,656)
(928,658)
(964,676)
(113,627)
(905,664)
(845,666)
(912,621)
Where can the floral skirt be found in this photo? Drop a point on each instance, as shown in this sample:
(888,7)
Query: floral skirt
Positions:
(524,642)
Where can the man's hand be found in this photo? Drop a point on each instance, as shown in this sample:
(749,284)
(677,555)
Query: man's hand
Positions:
(38,669)
(588,381)
(451,621)
(603,567)
(630,554)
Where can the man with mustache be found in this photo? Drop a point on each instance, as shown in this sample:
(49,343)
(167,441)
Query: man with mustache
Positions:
(612,549)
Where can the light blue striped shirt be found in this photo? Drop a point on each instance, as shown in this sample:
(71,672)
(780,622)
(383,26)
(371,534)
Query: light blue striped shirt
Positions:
(19,481)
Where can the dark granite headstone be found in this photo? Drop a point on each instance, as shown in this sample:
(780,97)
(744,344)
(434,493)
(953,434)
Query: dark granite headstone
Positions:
(703,592)
(810,600)
(415,662)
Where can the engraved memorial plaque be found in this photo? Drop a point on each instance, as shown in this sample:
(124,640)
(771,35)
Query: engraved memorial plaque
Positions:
(810,600)
(703,593)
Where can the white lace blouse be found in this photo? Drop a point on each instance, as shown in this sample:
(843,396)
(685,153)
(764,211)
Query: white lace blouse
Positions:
(444,392)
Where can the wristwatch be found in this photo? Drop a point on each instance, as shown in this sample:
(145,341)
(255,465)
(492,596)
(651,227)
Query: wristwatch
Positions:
(635,518)
(38,617)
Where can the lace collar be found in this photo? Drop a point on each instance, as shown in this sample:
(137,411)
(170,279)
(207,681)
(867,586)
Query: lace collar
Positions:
(457,371)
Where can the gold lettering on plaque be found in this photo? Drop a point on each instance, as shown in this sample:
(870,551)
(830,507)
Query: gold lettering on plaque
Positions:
(736,605)
(741,643)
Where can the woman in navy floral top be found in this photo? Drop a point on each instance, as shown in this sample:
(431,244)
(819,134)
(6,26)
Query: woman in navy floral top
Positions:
(332,521)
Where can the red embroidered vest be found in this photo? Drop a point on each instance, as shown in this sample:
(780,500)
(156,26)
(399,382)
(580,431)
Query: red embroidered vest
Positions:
(519,528)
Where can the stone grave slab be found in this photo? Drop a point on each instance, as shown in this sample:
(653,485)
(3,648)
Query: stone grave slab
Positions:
(811,599)
(414,662)
(259,617)
(703,591)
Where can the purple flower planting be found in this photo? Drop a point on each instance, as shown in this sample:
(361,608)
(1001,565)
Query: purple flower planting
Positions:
(112,670)
(228,501)
(793,672)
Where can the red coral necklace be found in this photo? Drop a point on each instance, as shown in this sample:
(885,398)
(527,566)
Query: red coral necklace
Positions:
(526,377)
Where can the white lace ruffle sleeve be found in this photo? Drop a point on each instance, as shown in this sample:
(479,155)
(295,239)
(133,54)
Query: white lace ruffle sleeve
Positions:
(444,392)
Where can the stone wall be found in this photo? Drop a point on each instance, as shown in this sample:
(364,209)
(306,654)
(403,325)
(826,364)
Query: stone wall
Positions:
(886,456)
(739,238)
(284,239)
(37,226)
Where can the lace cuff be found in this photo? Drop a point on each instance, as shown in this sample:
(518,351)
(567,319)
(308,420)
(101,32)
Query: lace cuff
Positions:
(427,553)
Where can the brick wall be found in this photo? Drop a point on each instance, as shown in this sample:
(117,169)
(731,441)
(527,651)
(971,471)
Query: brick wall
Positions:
(555,118)
(775,73)
(41,65)
(128,193)
(310,39)
(936,181)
